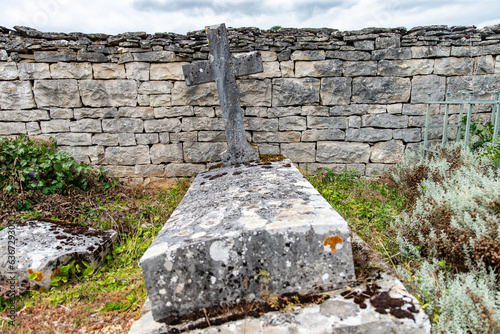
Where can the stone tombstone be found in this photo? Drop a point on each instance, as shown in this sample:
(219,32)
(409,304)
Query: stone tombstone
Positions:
(223,68)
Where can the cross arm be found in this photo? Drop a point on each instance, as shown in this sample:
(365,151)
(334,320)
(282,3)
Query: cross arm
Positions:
(198,72)
(247,63)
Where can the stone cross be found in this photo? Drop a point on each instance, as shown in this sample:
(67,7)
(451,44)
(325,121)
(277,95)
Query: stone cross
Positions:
(223,68)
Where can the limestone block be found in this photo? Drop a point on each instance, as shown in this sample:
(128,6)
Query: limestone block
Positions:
(57,93)
(23,115)
(313,168)
(287,69)
(167,71)
(162,100)
(155,87)
(355,122)
(342,152)
(105,139)
(71,71)
(146,138)
(209,111)
(395,108)
(8,71)
(454,66)
(155,56)
(54,57)
(260,124)
(32,71)
(136,112)
(200,95)
(203,152)
(61,113)
(408,135)
(137,71)
(95,113)
(268,56)
(358,109)
(314,122)
(150,170)
(364,45)
(109,71)
(276,137)
(86,125)
(430,51)
(16,95)
(57,125)
(388,152)
(497,64)
(271,70)
(482,85)
(126,139)
(255,92)
(33,128)
(315,111)
(321,68)
(384,121)
(92,57)
(322,135)
(283,111)
(422,85)
(180,170)
(308,55)
(73,138)
(177,137)
(405,68)
(108,93)
(235,241)
(290,123)
(212,136)
(202,123)
(299,152)
(120,171)
(269,149)
(396,53)
(3,55)
(130,155)
(166,153)
(380,90)
(162,125)
(79,153)
(368,135)
(348,55)
(256,112)
(118,125)
(10,128)
(291,91)
(483,65)
(335,91)
(388,42)
(360,68)
(164,112)
(164,138)
(415,109)
(466,51)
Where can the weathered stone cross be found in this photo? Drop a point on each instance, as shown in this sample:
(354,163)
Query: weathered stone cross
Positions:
(223,69)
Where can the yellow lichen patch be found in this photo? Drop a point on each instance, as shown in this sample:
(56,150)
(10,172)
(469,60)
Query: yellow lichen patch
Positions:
(271,157)
(333,241)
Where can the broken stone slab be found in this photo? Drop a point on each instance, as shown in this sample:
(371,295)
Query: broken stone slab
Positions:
(238,224)
(46,246)
(388,308)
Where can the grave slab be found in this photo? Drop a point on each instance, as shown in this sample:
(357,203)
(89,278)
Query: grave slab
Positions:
(46,246)
(238,224)
(388,308)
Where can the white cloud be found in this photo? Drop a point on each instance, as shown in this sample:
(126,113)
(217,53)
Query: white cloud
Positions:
(116,16)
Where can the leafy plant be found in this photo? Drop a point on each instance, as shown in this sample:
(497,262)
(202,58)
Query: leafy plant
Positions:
(275,28)
(36,164)
(482,139)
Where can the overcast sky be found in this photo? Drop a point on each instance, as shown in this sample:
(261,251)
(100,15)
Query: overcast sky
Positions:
(117,16)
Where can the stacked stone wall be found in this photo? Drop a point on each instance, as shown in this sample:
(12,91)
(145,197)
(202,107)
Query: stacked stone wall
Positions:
(326,98)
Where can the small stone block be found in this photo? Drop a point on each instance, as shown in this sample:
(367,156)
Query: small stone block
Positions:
(250,219)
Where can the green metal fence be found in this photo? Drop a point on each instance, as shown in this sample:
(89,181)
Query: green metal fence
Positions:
(465,104)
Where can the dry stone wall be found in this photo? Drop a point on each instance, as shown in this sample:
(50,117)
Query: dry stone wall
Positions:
(326,98)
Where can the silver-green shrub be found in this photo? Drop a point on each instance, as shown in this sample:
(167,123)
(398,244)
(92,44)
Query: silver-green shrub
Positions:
(452,228)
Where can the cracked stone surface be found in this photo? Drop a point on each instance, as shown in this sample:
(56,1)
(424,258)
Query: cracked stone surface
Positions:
(235,222)
(45,246)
